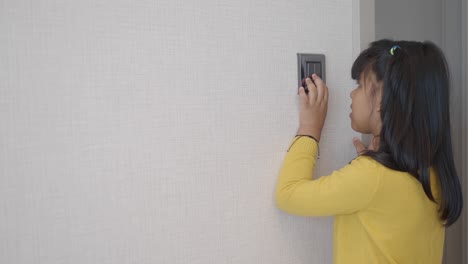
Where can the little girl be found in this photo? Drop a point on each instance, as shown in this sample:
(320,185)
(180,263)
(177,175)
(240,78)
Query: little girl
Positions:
(393,202)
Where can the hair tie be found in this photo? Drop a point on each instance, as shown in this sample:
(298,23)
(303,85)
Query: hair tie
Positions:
(392,50)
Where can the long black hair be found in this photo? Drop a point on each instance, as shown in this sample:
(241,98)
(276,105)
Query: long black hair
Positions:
(415,133)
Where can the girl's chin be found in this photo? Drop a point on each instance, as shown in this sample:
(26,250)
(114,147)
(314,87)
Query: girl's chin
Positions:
(359,130)
(353,127)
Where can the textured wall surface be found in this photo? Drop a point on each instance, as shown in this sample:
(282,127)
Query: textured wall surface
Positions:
(153,131)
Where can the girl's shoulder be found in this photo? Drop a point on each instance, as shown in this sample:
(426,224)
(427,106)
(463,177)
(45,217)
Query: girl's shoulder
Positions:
(365,161)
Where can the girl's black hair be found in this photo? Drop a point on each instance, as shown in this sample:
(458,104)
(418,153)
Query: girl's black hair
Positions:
(415,115)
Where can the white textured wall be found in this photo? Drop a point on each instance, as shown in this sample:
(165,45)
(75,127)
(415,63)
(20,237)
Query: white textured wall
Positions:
(153,131)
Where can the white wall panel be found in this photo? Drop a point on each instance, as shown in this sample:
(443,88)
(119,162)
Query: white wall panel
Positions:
(153,131)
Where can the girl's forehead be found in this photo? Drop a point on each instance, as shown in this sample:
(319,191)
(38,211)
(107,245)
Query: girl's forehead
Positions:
(368,77)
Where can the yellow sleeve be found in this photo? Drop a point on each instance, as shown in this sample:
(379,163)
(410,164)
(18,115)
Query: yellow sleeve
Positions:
(345,191)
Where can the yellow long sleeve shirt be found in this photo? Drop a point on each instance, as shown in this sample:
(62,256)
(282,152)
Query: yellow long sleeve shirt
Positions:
(381,215)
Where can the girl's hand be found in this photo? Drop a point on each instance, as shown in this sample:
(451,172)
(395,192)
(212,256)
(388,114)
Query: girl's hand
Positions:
(313,107)
(360,148)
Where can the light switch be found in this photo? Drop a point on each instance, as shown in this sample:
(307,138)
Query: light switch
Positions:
(308,64)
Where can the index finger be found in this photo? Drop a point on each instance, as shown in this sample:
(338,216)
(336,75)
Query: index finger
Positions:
(358,145)
(321,87)
(317,80)
(312,90)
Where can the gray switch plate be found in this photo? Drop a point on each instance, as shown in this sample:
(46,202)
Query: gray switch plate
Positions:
(308,64)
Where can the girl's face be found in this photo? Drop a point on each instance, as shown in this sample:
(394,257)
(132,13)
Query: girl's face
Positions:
(365,115)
